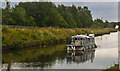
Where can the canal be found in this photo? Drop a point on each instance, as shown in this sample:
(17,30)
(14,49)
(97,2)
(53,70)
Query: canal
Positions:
(55,57)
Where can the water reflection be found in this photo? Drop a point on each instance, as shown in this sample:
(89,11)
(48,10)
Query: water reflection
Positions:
(80,56)
(35,58)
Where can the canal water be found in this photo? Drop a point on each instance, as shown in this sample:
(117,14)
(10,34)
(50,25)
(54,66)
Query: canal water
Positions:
(55,57)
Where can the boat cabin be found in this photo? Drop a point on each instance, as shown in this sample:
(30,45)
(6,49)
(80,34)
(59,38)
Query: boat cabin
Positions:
(80,42)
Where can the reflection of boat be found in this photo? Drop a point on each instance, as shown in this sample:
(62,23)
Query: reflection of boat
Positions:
(80,56)
(80,42)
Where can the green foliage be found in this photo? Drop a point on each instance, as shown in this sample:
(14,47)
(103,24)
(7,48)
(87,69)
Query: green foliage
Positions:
(56,20)
(98,23)
(19,14)
(46,14)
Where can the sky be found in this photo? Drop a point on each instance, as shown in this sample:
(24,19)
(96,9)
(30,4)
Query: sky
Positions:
(103,9)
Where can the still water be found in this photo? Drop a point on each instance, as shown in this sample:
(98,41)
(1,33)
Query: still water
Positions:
(55,57)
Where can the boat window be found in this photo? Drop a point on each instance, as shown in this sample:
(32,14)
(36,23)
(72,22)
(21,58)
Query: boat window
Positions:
(75,38)
(79,38)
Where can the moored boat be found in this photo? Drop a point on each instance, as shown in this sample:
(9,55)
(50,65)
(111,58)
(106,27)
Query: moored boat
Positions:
(80,42)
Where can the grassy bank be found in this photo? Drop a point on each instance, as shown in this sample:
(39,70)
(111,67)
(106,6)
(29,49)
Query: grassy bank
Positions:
(19,37)
(114,68)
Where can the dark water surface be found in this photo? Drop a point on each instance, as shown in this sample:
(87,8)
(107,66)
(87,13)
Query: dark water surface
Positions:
(55,57)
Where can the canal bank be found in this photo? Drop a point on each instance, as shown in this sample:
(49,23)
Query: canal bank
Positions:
(19,38)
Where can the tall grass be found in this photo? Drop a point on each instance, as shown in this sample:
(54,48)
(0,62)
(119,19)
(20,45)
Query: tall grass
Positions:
(18,36)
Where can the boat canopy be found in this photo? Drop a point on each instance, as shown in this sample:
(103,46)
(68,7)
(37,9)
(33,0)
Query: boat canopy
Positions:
(82,36)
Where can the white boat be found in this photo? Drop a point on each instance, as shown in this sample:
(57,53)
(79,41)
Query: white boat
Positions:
(80,42)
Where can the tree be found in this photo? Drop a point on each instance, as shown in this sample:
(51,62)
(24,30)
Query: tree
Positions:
(21,18)
(19,14)
(68,17)
(85,8)
(56,20)
(45,14)
(7,18)
(7,5)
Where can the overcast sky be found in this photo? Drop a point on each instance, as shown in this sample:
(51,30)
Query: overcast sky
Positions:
(103,9)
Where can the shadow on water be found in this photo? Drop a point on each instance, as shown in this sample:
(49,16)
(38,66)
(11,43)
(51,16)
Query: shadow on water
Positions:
(44,57)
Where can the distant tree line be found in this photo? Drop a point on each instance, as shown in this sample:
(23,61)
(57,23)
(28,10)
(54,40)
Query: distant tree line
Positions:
(45,14)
